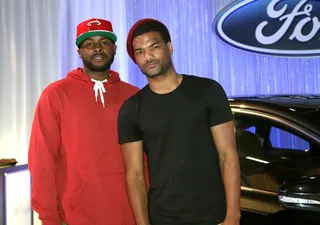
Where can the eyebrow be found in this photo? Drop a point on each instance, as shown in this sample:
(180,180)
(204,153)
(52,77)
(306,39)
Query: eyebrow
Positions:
(154,43)
(101,39)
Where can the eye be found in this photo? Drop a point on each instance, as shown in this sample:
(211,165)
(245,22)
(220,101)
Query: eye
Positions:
(104,43)
(155,46)
(88,44)
(138,52)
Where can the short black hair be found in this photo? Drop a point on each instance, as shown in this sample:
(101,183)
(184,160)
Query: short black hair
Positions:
(152,26)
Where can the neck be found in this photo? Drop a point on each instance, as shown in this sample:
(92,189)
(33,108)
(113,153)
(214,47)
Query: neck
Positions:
(97,75)
(165,83)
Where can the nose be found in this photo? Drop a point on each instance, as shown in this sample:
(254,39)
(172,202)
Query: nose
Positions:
(148,55)
(97,47)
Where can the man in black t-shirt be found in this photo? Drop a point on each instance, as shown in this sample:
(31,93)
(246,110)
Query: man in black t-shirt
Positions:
(185,126)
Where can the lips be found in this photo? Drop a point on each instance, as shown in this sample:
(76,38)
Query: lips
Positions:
(98,57)
(151,65)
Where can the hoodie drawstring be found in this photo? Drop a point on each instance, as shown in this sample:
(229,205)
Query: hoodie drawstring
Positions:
(99,87)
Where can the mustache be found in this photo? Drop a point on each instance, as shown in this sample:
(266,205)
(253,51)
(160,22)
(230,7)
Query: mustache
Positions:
(98,54)
(151,62)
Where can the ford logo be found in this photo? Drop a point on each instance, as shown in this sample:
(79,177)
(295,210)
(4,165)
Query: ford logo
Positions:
(271,27)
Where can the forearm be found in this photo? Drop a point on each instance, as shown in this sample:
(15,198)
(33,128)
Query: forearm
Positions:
(230,170)
(137,193)
(44,192)
(44,201)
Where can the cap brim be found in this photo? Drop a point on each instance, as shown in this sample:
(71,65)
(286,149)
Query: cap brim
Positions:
(84,36)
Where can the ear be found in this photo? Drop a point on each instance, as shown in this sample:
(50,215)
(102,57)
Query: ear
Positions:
(115,49)
(79,53)
(169,45)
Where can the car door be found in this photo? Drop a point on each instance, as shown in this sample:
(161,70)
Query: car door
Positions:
(271,151)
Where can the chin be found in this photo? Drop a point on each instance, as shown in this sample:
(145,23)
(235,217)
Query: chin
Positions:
(99,65)
(153,75)
(99,68)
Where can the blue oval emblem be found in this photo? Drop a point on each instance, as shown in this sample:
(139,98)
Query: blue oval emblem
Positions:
(272,27)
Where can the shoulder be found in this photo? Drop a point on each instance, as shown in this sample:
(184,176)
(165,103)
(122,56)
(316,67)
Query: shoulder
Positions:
(50,95)
(133,102)
(202,83)
(199,80)
(129,87)
(57,86)
(138,95)
(125,90)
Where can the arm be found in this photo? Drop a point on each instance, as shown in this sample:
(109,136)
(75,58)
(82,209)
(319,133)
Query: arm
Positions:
(130,139)
(43,150)
(224,139)
(222,129)
(135,180)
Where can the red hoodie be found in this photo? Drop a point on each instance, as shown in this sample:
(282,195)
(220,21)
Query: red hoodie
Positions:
(75,160)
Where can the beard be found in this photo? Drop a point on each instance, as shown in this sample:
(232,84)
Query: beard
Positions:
(154,74)
(100,68)
(161,70)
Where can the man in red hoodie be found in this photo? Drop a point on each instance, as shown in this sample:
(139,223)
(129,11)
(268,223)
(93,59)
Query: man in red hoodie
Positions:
(78,175)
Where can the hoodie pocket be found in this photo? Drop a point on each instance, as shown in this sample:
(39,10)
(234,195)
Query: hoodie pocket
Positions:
(103,200)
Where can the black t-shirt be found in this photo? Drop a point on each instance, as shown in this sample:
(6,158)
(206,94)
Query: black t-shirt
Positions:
(184,172)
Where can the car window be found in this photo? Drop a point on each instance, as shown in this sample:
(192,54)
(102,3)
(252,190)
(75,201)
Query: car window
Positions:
(250,132)
(284,140)
(252,129)
(270,152)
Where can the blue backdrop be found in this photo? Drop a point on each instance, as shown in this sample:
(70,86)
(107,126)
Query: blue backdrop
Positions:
(196,49)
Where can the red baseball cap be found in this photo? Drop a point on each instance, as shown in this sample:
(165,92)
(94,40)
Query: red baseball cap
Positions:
(94,27)
(134,27)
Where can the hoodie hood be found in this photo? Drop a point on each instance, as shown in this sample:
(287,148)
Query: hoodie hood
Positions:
(98,86)
(80,75)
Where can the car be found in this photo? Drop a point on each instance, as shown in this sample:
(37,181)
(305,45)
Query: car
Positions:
(278,142)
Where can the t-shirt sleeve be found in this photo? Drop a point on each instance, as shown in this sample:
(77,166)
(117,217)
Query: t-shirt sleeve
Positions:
(128,128)
(217,104)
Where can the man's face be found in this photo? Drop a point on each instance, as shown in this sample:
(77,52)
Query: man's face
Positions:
(97,53)
(152,54)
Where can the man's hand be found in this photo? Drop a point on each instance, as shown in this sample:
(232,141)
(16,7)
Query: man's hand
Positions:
(231,220)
